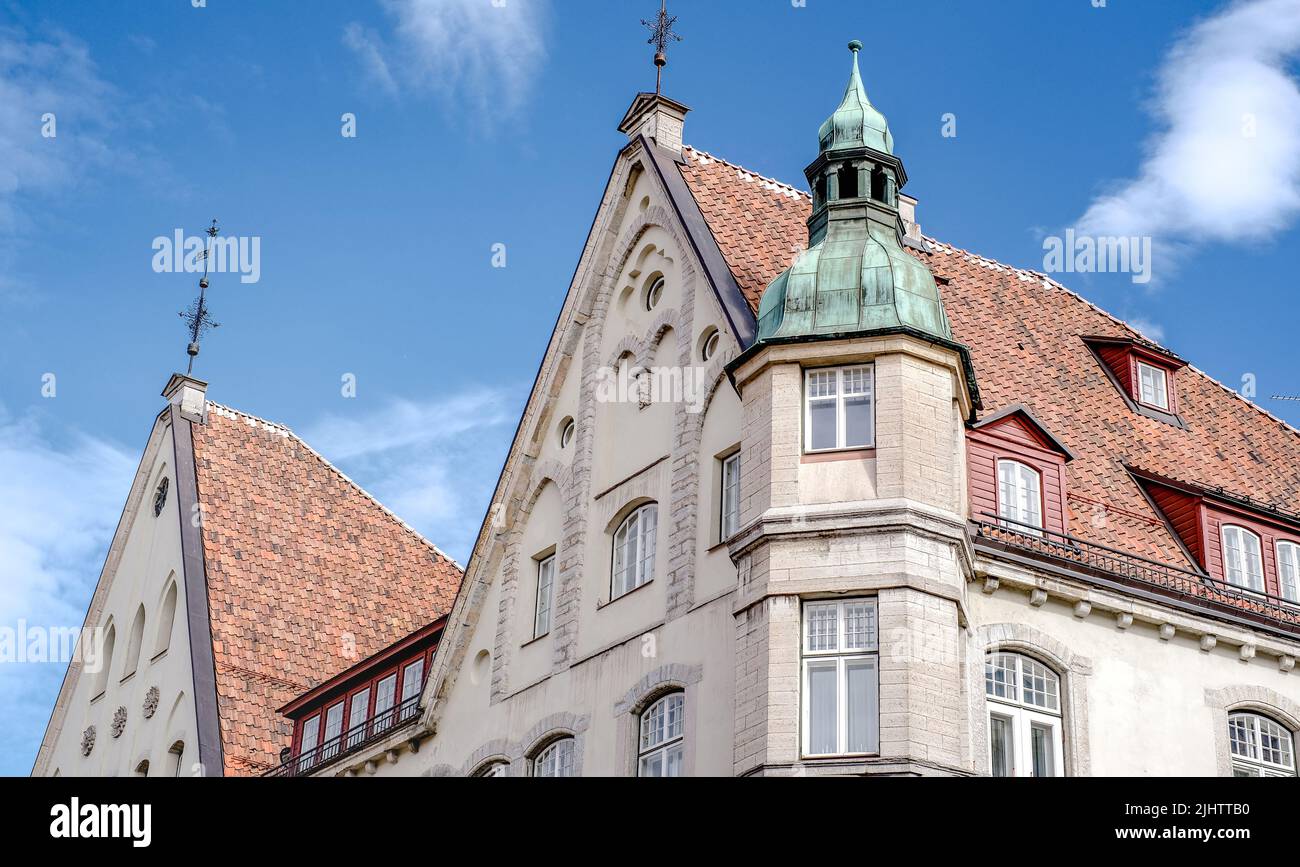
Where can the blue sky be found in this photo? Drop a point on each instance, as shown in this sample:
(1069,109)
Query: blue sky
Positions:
(478,125)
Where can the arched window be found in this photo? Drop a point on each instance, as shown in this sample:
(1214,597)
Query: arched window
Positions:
(177,756)
(1261,747)
(654,294)
(1020,495)
(1024,706)
(1242,563)
(567,430)
(709,344)
(661,745)
(634,550)
(1288,570)
(142,769)
(555,759)
(105,662)
(133,644)
(493,769)
(166,619)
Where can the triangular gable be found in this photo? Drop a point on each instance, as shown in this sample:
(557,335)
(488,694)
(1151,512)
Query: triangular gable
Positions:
(1017,423)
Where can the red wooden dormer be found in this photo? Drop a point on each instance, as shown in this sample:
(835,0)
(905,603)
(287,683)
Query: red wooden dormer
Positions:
(1016,469)
(1144,373)
(1243,543)
(371,701)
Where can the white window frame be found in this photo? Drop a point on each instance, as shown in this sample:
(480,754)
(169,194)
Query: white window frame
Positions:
(729,501)
(411,688)
(655,293)
(383,716)
(1252,763)
(497,768)
(545,594)
(656,738)
(308,743)
(818,655)
(1236,558)
(1159,394)
(634,559)
(332,732)
(358,713)
(868,390)
(711,344)
(567,432)
(555,759)
(1288,570)
(1022,717)
(1020,497)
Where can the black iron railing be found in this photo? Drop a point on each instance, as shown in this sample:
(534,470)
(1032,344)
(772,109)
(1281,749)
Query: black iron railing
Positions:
(380,726)
(1134,569)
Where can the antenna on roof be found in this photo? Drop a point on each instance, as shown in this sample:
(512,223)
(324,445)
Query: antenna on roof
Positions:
(198,318)
(661,33)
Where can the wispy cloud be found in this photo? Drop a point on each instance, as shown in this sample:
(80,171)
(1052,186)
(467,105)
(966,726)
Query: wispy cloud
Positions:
(433,463)
(54,110)
(1225,163)
(477,55)
(1148,328)
(59,504)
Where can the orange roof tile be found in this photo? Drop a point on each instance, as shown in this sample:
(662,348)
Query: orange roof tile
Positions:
(307,574)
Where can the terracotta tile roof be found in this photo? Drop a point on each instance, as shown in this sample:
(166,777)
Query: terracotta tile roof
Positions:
(1024,333)
(307,574)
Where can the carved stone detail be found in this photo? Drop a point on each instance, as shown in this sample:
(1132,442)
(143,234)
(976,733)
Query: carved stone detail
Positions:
(119,722)
(151,702)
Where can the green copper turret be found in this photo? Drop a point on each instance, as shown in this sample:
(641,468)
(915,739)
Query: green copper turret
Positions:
(855,277)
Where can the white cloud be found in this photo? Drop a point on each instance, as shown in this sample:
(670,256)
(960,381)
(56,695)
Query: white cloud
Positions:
(433,463)
(59,505)
(482,55)
(1148,329)
(1225,164)
(41,76)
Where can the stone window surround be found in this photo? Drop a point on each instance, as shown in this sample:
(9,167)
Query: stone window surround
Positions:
(1249,698)
(1073,670)
(518,755)
(667,679)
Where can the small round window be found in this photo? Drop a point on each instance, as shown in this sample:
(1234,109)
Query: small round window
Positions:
(654,294)
(567,429)
(709,348)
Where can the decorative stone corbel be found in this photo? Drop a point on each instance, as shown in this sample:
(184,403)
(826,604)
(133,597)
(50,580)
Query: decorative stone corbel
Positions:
(1082,609)
(1037,598)
(1123,620)
(1166,631)
(1247,652)
(1208,642)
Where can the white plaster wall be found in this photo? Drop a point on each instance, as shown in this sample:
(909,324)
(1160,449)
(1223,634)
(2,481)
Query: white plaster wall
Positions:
(1146,698)
(150,558)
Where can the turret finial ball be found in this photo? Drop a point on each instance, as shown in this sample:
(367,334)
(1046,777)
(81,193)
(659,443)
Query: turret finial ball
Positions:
(855,46)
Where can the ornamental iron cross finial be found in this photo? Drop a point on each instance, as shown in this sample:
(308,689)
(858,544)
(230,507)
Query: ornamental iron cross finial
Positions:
(198,319)
(661,33)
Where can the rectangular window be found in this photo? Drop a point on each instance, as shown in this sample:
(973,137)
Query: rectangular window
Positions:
(841,678)
(839,408)
(307,746)
(333,730)
(1288,570)
(1020,496)
(357,716)
(412,681)
(385,693)
(1242,563)
(1153,386)
(545,587)
(730,496)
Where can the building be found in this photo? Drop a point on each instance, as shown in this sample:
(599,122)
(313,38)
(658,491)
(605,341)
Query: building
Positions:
(801,490)
(245,571)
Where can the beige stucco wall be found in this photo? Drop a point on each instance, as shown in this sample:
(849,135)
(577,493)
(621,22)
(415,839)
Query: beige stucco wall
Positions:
(150,561)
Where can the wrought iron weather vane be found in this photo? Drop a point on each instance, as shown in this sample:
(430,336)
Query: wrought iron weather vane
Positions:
(661,33)
(198,318)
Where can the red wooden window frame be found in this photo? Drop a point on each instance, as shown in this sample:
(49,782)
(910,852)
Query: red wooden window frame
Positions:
(319,711)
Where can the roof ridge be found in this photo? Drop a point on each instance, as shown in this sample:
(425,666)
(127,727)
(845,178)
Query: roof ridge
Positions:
(1115,319)
(717,159)
(285,431)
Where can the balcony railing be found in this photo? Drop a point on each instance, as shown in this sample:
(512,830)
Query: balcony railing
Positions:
(380,726)
(1135,570)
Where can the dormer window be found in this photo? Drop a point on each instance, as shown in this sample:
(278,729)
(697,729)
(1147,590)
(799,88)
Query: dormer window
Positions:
(1243,563)
(1020,495)
(1288,570)
(1153,386)
(1144,373)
